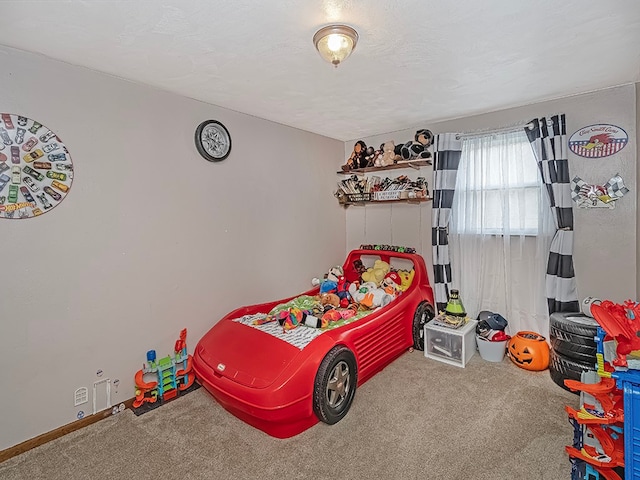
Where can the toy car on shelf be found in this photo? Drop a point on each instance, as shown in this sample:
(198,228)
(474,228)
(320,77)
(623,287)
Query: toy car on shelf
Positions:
(4,135)
(32,142)
(50,147)
(44,138)
(27,194)
(31,156)
(28,181)
(16,175)
(13,194)
(4,179)
(35,174)
(52,193)
(20,135)
(6,118)
(285,382)
(15,155)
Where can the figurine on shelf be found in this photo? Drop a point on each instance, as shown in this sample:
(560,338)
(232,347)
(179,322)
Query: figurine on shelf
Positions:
(388,156)
(357,157)
(371,156)
(417,149)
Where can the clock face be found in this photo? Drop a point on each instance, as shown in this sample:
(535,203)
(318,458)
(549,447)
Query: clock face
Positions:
(213,140)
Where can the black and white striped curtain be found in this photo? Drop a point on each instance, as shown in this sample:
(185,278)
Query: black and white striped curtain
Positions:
(548,140)
(447,153)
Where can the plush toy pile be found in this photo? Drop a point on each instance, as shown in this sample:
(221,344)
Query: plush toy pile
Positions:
(389,153)
(339,299)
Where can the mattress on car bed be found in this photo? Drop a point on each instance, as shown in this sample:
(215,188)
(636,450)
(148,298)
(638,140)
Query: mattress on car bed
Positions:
(302,335)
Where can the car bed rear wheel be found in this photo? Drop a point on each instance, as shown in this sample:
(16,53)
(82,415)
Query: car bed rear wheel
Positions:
(335,385)
(424,314)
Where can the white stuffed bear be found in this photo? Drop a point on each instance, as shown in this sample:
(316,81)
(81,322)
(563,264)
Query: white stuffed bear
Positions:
(369,295)
(388,156)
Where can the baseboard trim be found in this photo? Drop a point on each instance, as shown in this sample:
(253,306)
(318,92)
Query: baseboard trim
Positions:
(58,432)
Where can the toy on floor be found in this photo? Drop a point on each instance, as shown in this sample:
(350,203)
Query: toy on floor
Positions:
(621,322)
(529,350)
(491,326)
(162,380)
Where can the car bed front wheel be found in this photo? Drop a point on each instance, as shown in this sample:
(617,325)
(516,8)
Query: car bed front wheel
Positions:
(335,385)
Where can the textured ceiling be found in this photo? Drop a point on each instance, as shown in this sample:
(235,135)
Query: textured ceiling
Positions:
(417,61)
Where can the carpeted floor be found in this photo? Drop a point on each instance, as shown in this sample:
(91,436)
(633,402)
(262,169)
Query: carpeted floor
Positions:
(417,419)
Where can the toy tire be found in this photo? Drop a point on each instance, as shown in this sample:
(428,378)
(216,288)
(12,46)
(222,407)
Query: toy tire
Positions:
(574,323)
(573,335)
(562,368)
(424,314)
(335,385)
(576,347)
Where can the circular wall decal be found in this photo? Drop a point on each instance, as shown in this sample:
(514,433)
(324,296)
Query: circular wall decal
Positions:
(597,141)
(213,140)
(35,168)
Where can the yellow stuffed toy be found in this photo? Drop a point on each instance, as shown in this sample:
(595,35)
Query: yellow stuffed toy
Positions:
(377,273)
(406,277)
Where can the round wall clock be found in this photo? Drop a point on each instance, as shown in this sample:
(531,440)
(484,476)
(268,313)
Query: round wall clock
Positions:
(213,140)
(35,168)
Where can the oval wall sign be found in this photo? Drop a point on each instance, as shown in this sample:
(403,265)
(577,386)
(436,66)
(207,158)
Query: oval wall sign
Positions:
(596,141)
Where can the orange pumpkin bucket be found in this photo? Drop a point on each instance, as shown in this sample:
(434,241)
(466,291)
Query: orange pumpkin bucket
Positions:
(529,350)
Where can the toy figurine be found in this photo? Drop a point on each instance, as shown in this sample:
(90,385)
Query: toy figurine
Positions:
(357,157)
(417,149)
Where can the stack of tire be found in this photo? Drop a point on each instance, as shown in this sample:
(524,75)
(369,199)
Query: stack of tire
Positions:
(573,346)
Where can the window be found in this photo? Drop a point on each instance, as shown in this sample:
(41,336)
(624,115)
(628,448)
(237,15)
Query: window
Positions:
(498,188)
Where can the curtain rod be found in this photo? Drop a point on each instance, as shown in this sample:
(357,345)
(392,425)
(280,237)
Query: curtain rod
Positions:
(482,133)
(508,129)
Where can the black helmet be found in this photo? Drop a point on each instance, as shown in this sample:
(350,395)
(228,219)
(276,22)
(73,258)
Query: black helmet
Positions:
(489,323)
(497,322)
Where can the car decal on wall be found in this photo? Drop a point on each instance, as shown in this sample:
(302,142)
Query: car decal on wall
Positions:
(36,170)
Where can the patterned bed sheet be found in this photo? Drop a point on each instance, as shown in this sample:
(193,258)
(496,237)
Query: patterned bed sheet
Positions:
(302,335)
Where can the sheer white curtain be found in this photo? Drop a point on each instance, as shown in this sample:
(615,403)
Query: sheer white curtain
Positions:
(501,229)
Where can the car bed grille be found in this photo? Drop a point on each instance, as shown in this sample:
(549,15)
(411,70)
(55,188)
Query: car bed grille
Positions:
(382,342)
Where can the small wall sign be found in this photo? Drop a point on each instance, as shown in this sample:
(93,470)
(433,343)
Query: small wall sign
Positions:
(597,141)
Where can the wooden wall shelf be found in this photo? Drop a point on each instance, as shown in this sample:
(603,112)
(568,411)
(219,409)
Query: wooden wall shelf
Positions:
(401,200)
(415,164)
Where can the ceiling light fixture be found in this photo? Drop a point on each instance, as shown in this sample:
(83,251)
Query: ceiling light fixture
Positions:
(335,43)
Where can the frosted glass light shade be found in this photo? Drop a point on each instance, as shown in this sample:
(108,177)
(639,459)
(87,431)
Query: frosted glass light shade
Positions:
(335,42)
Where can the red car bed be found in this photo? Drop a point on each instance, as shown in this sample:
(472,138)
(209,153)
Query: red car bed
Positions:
(283,382)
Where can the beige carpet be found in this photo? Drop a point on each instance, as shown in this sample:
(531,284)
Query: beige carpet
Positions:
(417,419)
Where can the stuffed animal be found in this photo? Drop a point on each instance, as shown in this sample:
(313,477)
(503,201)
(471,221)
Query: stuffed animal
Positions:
(377,273)
(371,156)
(391,283)
(356,159)
(359,267)
(388,156)
(416,149)
(406,277)
(330,281)
(329,300)
(369,295)
(342,291)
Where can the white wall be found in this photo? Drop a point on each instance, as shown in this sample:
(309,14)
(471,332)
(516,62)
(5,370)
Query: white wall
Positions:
(605,240)
(151,237)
